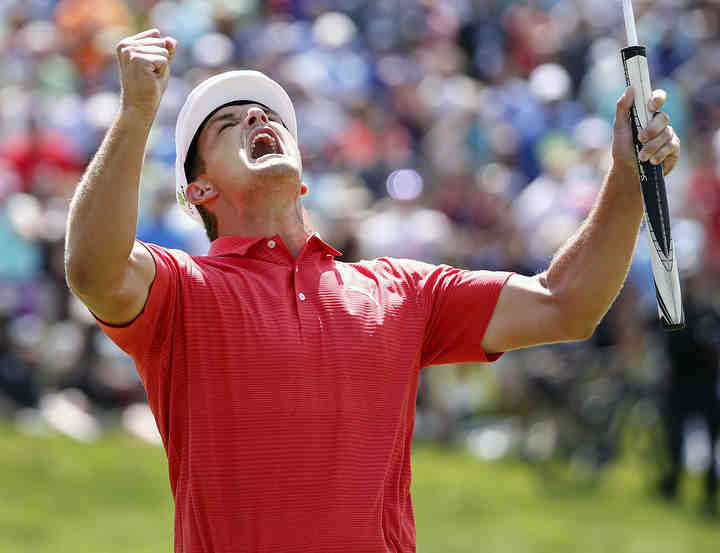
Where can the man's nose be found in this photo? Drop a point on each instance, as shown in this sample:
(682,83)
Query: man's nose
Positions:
(255,115)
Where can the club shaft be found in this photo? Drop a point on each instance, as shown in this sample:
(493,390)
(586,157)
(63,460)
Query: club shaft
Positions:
(630,30)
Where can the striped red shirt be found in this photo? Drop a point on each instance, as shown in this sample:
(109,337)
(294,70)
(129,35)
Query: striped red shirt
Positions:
(284,389)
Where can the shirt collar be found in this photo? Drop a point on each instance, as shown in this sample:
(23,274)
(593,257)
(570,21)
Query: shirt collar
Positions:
(239,245)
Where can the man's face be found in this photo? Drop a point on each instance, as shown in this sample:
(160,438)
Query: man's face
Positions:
(247,146)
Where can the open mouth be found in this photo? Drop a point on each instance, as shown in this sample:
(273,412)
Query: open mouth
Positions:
(263,142)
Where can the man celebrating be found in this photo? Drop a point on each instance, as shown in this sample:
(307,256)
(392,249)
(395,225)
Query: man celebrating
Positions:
(282,380)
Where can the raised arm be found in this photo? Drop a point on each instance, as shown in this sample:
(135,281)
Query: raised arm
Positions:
(567,301)
(104,265)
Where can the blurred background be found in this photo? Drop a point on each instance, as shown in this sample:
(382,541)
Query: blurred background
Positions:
(468,132)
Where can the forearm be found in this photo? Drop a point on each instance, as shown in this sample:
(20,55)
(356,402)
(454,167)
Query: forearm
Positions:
(589,270)
(104,209)
(567,301)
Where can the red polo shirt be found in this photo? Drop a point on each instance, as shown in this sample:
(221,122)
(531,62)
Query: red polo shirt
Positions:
(285,389)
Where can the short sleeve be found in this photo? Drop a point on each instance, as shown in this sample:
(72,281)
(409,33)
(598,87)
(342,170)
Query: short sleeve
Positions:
(458,307)
(146,335)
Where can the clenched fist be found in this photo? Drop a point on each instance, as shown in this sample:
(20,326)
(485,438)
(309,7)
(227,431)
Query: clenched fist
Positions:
(660,143)
(144,69)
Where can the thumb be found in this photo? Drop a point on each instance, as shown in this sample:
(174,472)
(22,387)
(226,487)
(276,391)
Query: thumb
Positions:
(171,45)
(624,103)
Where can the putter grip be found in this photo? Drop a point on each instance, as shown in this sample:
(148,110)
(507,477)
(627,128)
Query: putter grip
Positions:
(652,181)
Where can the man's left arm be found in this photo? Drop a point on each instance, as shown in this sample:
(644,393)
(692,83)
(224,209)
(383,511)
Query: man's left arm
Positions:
(568,300)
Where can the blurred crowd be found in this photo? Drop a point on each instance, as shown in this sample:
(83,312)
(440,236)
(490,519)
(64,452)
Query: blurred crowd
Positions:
(470,132)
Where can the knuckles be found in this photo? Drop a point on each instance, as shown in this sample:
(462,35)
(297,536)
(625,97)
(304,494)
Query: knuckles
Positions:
(125,48)
(660,124)
(140,49)
(133,53)
(666,135)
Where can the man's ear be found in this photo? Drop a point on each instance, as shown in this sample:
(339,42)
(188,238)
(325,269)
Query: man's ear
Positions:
(200,191)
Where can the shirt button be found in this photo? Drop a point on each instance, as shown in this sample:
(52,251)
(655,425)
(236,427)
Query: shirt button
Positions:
(301,296)
(271,244)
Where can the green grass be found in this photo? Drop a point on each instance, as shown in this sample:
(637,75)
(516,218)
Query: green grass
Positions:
(463,506)
(113,496)
(57,495)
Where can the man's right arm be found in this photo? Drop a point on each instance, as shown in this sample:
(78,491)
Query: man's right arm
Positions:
(105,267)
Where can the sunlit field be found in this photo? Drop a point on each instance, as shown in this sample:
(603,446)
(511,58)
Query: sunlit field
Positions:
(113,496)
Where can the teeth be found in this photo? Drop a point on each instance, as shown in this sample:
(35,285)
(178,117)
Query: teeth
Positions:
(266,137)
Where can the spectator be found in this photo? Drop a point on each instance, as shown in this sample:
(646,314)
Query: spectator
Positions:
(368,79)
(692,387)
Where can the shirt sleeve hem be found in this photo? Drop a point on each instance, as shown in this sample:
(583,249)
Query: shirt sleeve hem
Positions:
(492,357)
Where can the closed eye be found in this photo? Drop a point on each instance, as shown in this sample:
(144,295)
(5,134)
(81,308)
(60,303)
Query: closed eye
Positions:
(226,125)
(275,118)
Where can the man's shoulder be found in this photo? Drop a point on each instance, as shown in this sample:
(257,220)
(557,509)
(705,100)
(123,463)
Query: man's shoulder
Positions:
(389,261)
(173,260)
(390,268)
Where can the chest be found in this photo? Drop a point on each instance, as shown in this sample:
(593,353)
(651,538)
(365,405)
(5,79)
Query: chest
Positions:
(302,339)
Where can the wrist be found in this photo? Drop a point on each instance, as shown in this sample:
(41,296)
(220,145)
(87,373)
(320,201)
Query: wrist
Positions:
(626,170)
(136,117)
(624,182)
(143,114)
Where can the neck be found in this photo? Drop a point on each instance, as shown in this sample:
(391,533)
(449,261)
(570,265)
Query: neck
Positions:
(288,220)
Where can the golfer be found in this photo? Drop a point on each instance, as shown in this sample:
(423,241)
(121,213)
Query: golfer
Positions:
(282,379)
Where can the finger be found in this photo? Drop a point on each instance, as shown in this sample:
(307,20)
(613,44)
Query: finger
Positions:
(657,100)
(142,62)
(657,125)
(149,61)
(144,34)
(624,103)
(672,159)
(669,164)
(151,41)
(154,50)
(160,62)
(659,156)
(171,44)
(652,146)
